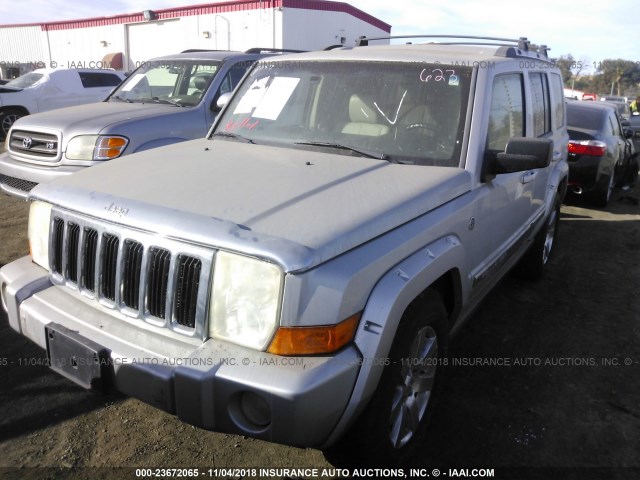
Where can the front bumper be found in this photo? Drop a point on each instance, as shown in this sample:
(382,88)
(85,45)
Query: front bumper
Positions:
(17,178)
(213,385)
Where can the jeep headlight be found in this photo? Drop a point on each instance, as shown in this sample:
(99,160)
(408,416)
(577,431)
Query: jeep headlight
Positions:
(245,300)
(39,221)
(95,147)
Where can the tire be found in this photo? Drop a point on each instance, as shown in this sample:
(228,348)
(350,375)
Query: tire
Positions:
(604,190)
(532,264)
(631,177)
(7,119)
(394,423)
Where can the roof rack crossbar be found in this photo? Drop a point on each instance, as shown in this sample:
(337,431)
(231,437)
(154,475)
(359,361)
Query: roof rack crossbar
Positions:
(273,50)
(521,42)
(491,44)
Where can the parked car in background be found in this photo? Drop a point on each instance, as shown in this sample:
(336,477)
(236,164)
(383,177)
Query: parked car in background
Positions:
(623,108)
(46,89)
(614,98)
(633,123)
(166,100)
(600,153)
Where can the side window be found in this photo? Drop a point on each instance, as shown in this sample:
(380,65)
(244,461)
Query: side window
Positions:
(540,104)
(615,128)
(233,76)
(506,117)
(95,79)
(558,103)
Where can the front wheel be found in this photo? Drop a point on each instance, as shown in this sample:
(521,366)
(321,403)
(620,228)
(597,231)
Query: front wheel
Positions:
(7,119)
(394,423)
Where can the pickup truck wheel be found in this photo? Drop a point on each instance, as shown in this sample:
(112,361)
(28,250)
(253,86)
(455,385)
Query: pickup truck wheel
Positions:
(531,266)
(394,423)
(7,119)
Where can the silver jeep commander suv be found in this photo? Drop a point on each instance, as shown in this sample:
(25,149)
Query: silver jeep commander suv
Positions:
(296,276)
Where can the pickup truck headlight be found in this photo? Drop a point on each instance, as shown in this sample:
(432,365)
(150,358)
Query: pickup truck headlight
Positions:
(95,147)
(39,221)
(245,300)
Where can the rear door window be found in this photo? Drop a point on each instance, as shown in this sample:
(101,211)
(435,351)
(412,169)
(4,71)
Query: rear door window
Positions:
(540,104)
(98,79)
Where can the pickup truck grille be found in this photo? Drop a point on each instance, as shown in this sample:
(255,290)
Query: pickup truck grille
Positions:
(17,183)
(37,145)
(160,281)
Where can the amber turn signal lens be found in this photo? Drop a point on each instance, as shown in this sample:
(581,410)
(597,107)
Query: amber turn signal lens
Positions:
(110,147)
(314,340)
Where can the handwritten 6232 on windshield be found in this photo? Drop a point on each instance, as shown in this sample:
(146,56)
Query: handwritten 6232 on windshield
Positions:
(448,76)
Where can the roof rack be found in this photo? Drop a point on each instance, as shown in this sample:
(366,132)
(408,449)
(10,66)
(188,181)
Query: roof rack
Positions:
(522,43)
(198,50)
(273,50)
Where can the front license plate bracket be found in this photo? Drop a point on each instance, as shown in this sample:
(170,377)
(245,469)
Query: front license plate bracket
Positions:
(77,358)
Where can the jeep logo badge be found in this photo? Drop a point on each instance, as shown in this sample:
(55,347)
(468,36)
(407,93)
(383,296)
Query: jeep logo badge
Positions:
(26,142)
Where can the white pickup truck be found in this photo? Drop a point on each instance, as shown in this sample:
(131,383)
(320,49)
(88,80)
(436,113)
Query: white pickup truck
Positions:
(296,276)
(49,89)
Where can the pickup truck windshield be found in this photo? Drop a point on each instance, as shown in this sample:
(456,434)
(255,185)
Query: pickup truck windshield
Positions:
(25,81)
(176,82)
(397,111)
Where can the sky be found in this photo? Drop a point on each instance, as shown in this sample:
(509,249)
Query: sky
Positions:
(602,30)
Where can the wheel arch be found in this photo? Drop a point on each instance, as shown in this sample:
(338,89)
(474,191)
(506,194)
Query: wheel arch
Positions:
(436,267)
(20,108)
(7,109)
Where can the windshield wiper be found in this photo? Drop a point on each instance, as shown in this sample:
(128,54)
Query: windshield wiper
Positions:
(234,136)
(118,97)
(364,153)
(167,101)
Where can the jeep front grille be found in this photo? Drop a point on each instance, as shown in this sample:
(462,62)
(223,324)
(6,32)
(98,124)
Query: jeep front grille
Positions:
(160,281)
(36,145)
(158,278)
(131,279)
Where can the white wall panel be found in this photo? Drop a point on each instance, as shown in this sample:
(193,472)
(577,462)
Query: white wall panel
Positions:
(314,29)
(22,45)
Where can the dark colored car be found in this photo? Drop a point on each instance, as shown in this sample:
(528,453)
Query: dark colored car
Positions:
(633,123)
(600,152)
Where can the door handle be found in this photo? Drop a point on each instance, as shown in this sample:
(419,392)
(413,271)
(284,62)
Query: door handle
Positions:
(528,176)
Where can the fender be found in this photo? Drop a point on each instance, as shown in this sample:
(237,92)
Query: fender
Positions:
(382,314)
(557,186)
(161,142)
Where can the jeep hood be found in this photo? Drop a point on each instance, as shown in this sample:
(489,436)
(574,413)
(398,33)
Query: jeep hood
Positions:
(295,207)
(92,118)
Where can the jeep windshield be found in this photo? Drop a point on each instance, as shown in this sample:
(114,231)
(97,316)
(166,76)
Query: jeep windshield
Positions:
(173,82)
(397,111)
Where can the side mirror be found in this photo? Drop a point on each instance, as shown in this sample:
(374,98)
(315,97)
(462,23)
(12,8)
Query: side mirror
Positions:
(523,154)
(221,102)
(628,132)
